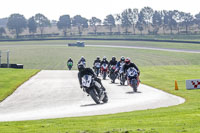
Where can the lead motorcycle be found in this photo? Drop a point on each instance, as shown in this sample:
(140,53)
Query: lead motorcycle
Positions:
(133,78)
(97,67)
(92,88)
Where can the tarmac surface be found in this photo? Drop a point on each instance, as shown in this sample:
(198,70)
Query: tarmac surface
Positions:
(56,94)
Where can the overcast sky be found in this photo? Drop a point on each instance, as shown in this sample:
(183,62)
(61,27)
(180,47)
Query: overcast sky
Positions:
(53,9)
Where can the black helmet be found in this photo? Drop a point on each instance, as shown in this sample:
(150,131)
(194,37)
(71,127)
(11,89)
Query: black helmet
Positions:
(98,58)
(81,67)
(122,58)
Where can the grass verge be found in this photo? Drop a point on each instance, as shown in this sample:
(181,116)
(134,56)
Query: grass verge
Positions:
(175,119)
(10,79)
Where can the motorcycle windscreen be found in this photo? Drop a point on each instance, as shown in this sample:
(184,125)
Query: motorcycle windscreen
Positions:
(97,65)
(132,72)
(86,80)
(104,66)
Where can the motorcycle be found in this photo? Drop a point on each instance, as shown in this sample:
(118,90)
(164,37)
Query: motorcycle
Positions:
(112,73)
(97,66)
(92,87)
(69,65)
(104,70)
(121,74)
(133,78)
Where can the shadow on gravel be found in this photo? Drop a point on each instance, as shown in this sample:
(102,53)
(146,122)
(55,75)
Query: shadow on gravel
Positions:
(131,92)
(86,105)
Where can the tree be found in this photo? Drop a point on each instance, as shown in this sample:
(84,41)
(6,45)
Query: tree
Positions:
(197,19)
(17,23)
(94,22)
(156,21)
(133,15)
(42,22)
(32,25)
(141,22)
(80,22)
(118,20)
(148,14)
(64,23)
(178,17)
(2,31)
(109,22)
(126,19)
(169,20)
(187,21)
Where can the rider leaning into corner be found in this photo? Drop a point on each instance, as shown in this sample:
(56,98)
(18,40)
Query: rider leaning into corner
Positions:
(88,71)
(129,64)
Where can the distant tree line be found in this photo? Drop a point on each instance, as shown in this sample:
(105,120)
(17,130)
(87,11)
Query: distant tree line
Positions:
(129,21)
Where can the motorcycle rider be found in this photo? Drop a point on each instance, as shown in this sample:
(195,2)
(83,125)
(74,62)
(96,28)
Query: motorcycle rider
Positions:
(119,63)
(129,64)
(70,63)
(82,60)
(88,71)
(112,61)
(97,60)
(104,60)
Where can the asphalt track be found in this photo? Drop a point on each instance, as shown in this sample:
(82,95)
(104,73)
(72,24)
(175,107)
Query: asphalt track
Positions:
(56,94)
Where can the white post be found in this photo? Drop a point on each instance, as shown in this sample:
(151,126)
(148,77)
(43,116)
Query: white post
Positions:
(8,58)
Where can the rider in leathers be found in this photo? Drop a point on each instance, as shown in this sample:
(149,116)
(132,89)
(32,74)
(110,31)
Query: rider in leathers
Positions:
(122,60)
(82,60)
(112,62)
(104,60)
(70,60)
(129,64)
(87,71)
(97,60)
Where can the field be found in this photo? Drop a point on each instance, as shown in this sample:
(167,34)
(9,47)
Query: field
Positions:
(158,69)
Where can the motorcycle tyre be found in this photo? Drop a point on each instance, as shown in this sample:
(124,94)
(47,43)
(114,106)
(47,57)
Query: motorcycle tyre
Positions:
(134,85)
(104,75)
(94,96)
(105,99)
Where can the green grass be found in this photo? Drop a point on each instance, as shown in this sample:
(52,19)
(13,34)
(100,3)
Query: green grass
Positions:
(175,119)
(55,56)
(10,79)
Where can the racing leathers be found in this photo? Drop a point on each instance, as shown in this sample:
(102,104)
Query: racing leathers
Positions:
(112,62)
(127,66)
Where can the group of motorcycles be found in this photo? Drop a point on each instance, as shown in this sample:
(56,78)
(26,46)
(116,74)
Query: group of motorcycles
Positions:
(92,87)
(131,76)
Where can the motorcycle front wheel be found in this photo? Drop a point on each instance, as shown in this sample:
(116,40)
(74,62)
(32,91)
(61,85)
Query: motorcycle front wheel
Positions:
(105,99)
(134,85)
(94,96)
